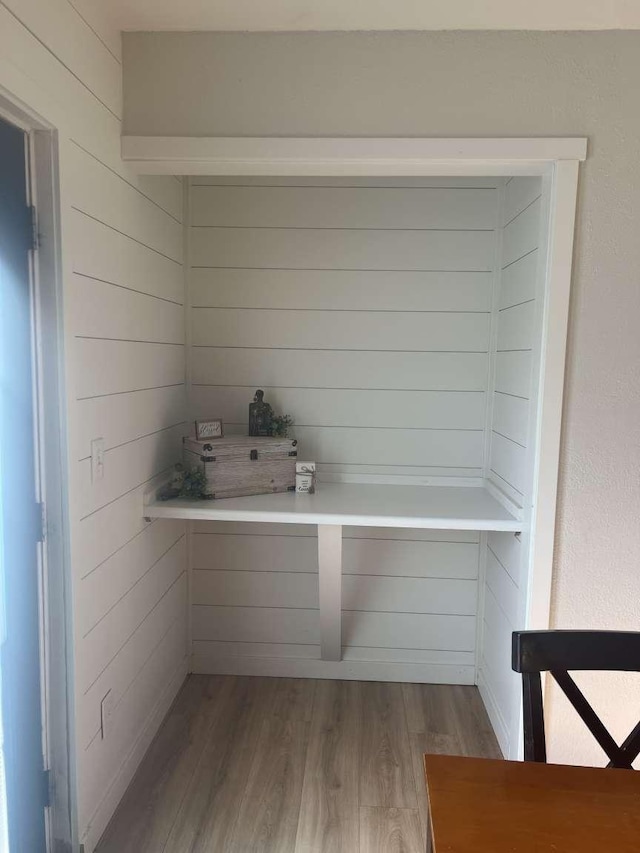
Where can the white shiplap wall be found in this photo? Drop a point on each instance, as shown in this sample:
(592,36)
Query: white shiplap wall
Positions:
(517,332)
(125,381)
(363,308)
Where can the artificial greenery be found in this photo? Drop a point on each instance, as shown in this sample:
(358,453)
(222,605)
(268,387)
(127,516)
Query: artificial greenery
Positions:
(280,425)
(185,483)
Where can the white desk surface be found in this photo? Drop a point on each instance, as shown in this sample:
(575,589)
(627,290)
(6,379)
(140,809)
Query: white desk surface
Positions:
(360,505)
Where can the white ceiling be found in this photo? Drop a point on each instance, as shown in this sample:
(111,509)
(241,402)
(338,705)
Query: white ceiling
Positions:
(274,15)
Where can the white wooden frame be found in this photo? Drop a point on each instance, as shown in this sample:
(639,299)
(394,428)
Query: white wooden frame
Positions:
(52,480)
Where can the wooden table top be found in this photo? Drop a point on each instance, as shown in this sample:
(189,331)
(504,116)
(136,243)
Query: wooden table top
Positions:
(481,805)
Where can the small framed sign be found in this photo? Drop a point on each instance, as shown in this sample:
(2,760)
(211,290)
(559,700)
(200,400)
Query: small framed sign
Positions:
(211,428)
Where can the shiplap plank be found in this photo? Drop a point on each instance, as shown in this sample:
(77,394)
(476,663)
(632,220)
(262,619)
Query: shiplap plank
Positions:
(343,290)
(230,648)
(449,448)
(345,472)
(102,253)
(102,310)
(113,579)
(281,368)
(255,589)
(409,595)
(516,326)
(401,595)
(126,417)
(326,249)
(286,625)
(123,670)
(341,330)
(97,537)
(513,373)
(125,467)
(285,553)
(340,407)
(511,417)
(165,191)
(210,648)
(496,661)
(518,282)
(114,367)
(97,192)
(508,549)
(258,553)
(410,559)
(508,460)
(408,631)
(437,181)
(100,765)
(249,529)
(504,590)
(437,657)
(521,235)
(256,624)
(97,17)
(104,641)
(518,194)
(58,25)
(345,207)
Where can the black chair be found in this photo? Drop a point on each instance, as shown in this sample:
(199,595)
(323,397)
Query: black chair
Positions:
(557,652)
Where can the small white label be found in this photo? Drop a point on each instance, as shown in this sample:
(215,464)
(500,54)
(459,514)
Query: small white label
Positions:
(305,483)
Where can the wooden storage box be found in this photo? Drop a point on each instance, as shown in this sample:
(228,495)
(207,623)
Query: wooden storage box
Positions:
(243,465)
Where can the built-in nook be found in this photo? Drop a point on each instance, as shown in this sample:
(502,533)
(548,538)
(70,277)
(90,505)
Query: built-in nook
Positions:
(403,321)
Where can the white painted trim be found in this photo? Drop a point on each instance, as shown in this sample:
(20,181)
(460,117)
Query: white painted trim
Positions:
(52,488)
(349,670)
(563,192)
(184,155)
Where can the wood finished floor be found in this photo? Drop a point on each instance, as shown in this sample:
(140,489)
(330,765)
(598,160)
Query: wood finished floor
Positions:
(279,765)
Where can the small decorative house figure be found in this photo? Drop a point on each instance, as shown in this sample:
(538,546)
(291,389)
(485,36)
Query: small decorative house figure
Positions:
(260,415)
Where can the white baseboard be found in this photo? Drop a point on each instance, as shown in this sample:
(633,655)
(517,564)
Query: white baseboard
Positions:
(421,673)
(115,792)
(495,716)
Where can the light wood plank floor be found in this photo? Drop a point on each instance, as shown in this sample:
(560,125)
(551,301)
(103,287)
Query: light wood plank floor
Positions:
(279,765)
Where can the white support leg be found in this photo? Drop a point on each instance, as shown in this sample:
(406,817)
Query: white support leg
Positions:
(330,580)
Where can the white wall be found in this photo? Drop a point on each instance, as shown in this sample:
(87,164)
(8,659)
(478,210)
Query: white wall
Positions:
(124,347)
(516,336)
(363,309)
(519,290)
(476,84)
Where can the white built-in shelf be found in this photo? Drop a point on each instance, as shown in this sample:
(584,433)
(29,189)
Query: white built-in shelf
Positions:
(359,505)
(335,506)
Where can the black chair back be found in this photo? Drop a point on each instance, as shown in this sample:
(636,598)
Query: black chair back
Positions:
(557,652)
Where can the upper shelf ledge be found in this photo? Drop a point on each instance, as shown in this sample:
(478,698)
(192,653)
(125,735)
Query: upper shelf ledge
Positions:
(358,505)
